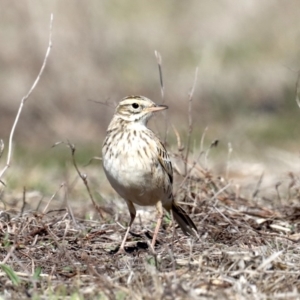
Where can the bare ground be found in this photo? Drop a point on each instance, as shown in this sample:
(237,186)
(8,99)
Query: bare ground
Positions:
(248,247)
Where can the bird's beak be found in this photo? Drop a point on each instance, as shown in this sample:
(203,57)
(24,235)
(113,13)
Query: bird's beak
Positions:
(157,108)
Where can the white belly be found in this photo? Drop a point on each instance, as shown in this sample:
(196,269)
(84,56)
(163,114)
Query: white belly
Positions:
(133,177)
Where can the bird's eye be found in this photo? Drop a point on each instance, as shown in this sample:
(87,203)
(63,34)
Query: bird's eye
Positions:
(135,105)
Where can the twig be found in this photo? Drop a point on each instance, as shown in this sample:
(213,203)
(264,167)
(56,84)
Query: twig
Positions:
(278,194)
(255,193)
(52,197)
(162,90)
(93,158)
(215,196)
(186,177)
(202,139)
(8,255)
(189,172)
(213,144)
(106,102)
(298,89)
(25,98)
(159,62)
(191,93)
(1,147)
(191,244)
(70,211)
(180,147)
(276,235)
(84,179)
(269,260)
(228,160)
(1,152)
(23,201)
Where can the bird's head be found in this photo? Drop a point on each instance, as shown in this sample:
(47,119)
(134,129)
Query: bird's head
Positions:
(137,109)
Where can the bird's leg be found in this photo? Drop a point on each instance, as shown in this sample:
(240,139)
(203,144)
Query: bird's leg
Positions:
(159,209)
(132,212)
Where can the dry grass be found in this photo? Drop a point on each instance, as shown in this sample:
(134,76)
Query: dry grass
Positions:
(249,246)
(57,247)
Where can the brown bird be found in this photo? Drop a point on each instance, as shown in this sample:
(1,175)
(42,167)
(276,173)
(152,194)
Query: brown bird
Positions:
(138,165)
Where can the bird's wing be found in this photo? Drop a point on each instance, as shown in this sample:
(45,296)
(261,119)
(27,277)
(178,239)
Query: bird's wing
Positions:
(164,160)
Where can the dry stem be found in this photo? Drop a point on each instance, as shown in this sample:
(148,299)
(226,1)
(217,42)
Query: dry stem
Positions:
(25,98)
(191,93)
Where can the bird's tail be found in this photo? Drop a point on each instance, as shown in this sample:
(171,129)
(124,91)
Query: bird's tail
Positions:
(184,221)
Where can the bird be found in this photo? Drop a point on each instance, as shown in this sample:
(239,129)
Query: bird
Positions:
(138,166)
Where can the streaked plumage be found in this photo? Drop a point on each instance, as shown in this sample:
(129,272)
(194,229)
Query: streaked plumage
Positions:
(137,164)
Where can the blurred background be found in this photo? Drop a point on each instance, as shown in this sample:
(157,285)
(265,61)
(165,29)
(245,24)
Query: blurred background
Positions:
(247,52)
